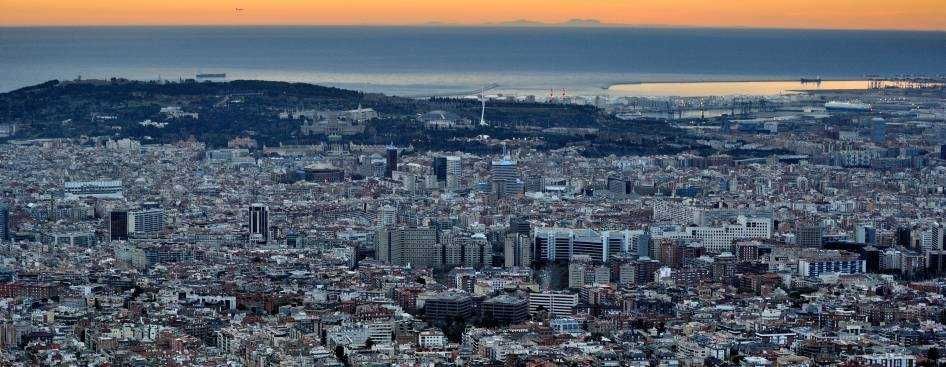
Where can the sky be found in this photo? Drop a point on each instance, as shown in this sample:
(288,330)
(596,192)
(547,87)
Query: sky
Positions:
(820,14)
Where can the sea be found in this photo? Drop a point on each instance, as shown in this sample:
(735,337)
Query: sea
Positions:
(419,61)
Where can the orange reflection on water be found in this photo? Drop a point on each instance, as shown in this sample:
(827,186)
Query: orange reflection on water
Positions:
(764,88)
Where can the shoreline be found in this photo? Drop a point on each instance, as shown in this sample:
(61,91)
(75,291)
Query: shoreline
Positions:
(609,88)
(797,80)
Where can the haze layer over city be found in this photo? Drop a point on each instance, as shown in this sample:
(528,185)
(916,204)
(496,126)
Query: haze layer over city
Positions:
(525,183)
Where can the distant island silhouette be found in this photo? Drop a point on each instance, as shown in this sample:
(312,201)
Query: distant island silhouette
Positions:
(571,23)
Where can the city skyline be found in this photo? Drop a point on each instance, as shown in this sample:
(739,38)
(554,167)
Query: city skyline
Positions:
(838,14)
(526,183)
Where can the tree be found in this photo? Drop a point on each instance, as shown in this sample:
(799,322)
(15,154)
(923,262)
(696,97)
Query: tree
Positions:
(933,355)
(340,355)
(453,330)
(735,357)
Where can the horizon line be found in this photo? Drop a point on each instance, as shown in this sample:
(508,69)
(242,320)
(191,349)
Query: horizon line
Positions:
(504,24)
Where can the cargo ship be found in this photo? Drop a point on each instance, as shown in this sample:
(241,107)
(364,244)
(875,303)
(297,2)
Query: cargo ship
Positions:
(211,75)
(846,106)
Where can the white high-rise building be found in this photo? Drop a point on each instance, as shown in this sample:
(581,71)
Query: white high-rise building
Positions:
(145,221)
(932,239)
(454,165)
(454,172)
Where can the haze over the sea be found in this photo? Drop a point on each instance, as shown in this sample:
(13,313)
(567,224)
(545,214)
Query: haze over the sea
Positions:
(416,60)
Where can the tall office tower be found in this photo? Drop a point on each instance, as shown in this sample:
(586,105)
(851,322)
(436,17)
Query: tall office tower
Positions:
(505,177)
(866,233)
(391,163)
(4,222)
(517,250)
(259,222)
(878,132)
(387,216)
(439,166)
(145,222)
(118,224)
(933,239)
(454,171)
(477,252)
(639,240)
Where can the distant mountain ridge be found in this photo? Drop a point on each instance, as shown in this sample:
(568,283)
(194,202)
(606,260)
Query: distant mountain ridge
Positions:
(577,22)
(569,23)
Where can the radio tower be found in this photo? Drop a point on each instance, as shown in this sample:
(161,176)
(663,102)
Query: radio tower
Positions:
(483,111)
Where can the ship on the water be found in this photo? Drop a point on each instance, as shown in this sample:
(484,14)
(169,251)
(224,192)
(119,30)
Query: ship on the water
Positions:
(211,75)
(846,106)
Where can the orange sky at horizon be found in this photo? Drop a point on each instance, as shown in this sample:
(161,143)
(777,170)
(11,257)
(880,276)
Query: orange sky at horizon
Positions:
(822,14)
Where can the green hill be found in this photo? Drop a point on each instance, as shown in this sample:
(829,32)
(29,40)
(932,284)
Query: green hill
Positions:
(123,108)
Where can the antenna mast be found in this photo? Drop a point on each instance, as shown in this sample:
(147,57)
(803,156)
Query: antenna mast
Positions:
(483,110)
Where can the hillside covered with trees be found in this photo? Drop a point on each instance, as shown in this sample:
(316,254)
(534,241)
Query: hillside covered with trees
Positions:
(122,108)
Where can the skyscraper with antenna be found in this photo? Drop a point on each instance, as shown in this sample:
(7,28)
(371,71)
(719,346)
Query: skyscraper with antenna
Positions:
(505,176)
